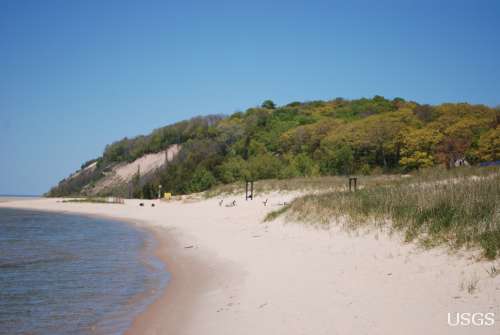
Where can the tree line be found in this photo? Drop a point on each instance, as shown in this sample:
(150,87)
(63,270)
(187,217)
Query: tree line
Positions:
(336,137)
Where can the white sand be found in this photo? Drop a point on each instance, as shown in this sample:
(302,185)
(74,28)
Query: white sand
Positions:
(242,276)
(125,172)
(147,163)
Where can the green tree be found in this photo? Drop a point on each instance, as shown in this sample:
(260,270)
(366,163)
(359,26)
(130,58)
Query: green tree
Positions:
(149,191)
(300,165)
(269,104)
(337,160)
(233,169)
(202,180)
(136,183)
(265,166)
(343,160)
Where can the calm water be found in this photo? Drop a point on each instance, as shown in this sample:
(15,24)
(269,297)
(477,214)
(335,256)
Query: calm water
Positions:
(62,274)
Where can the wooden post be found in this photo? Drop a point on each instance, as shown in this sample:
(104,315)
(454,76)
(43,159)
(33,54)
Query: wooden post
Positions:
(353,180)
(247,195)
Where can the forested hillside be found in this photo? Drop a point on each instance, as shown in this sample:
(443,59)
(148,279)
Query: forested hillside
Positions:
(340,136)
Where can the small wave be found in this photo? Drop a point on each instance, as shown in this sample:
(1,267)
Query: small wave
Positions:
(31,262)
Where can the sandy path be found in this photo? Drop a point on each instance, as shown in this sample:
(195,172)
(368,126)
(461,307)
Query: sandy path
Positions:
(241,276)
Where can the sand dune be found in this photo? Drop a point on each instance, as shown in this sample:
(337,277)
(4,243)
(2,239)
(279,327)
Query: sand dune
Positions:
(147,163)
(124,172)
(233,274)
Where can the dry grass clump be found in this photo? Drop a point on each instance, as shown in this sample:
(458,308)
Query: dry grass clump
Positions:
(470,285)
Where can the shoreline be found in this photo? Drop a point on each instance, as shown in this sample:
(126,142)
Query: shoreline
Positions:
(232,273)
(168,312)
(171,310)
(163,246)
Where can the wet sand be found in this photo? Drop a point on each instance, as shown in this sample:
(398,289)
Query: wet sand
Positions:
(171,312)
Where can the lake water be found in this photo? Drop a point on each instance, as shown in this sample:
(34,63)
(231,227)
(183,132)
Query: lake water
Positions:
(67,274)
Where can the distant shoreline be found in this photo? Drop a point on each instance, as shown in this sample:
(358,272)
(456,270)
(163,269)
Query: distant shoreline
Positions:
(8,198)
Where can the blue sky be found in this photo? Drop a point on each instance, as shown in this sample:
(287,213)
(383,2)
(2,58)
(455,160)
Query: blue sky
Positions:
(77,75)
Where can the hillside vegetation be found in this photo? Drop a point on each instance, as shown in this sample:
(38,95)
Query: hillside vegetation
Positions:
(309,139)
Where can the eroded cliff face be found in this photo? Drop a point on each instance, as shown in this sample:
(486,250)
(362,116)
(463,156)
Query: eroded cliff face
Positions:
(115,179)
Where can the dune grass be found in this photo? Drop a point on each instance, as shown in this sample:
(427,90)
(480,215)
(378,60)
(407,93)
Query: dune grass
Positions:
(306,184)
(99,200)
(460,207)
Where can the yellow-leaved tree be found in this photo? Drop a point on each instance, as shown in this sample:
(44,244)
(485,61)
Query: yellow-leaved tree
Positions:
(418,148)
(489,146)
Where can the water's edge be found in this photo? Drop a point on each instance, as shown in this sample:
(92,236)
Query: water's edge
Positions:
(139,303)
(149,258)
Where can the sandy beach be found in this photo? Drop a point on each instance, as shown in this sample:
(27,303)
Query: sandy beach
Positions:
(234,274)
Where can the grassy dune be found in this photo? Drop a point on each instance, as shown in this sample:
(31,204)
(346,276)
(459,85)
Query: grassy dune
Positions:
(302,184)
(460,207)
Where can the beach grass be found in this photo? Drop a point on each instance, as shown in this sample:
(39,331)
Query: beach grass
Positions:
(100,200)
(274,214)
(302,184)
(460,207)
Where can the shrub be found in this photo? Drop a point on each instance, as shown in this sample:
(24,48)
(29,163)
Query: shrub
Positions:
(233,169)
(202,180)
(337,160)
(264,166)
